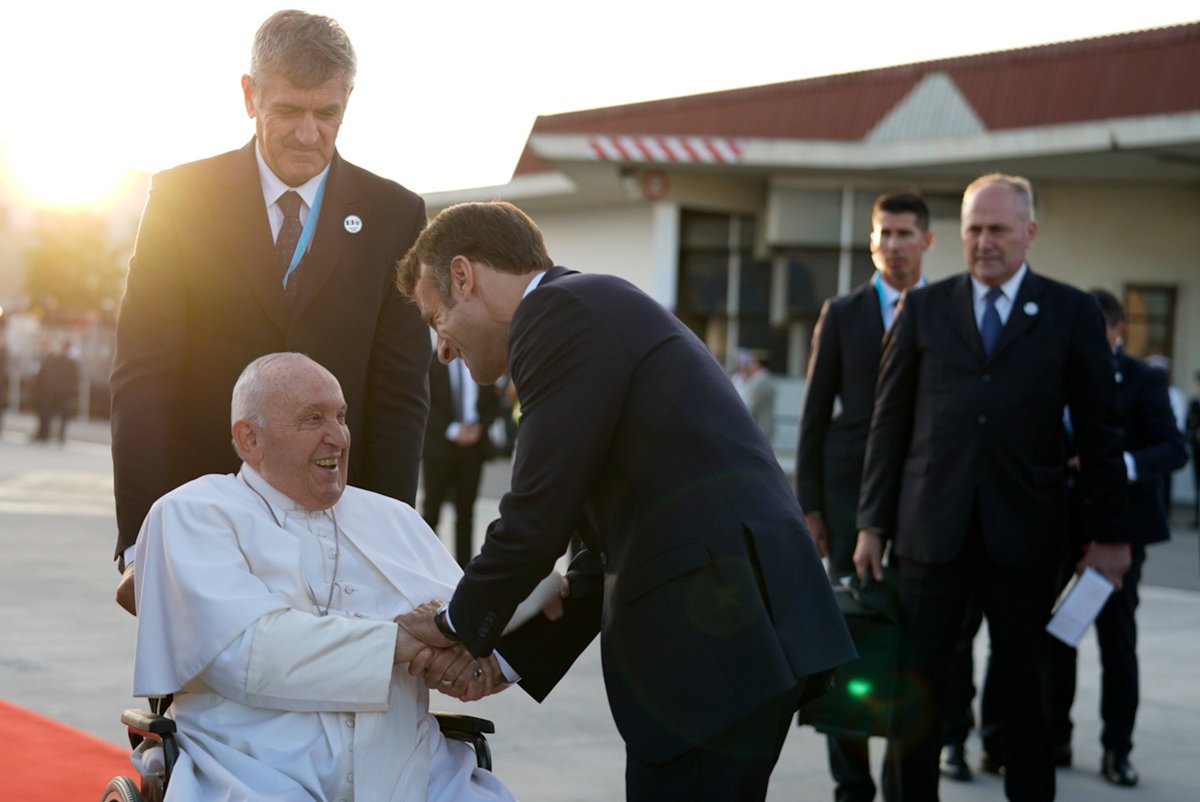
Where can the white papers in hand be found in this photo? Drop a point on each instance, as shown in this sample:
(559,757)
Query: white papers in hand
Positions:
(547,589)
(1078,605)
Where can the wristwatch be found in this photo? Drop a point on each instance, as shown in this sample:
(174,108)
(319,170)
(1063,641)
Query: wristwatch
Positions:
(443,625)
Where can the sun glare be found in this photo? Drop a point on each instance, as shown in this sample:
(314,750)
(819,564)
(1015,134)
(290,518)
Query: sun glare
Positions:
(49,178)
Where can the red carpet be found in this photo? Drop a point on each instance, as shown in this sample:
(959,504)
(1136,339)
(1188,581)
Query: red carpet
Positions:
(42,760)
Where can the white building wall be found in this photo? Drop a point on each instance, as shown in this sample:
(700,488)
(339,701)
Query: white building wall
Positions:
(617,240)
(1110,236)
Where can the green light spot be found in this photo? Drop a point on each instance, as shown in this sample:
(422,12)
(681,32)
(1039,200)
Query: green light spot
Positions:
(859,688)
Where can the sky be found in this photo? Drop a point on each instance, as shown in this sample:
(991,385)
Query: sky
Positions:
(447,92)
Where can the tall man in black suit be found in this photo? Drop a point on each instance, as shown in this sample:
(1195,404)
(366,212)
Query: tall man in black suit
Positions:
(456,446)
(279,246)
(843,366)
(966,474)
(715,614)
(1153,447)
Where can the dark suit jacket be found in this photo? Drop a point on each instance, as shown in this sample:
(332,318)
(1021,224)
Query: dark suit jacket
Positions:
(1154,442)
(203,299)
(952,427)
(714,599)
(442,413)
(843,365)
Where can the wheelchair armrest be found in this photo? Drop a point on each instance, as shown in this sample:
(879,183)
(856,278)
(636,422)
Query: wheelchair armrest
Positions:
(469,729)
(147,722)
(459,722)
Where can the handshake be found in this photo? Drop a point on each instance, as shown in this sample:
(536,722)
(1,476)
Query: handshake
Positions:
(445,665)
(442,664)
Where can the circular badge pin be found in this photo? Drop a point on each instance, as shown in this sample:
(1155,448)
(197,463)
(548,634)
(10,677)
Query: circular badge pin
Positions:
(1030,308)
(352,223)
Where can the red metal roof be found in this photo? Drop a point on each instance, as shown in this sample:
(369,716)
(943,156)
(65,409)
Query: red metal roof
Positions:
(1125,75)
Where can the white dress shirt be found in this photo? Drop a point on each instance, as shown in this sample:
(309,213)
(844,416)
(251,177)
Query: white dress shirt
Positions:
(1008,296)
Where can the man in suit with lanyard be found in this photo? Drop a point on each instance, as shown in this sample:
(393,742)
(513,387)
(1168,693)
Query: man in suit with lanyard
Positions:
(715,614)
(843,366)
(279,246)
(966,474)
(456,446)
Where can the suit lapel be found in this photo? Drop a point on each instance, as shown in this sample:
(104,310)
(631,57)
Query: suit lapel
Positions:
(1025,312)
(962,315)
(869,312)
(332,242)
(242,217)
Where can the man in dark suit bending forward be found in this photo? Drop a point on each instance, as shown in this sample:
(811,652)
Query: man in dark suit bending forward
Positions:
(715,614)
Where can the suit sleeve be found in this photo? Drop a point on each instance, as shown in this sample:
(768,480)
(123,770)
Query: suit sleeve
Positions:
(397,393)
(891,422)
(824,378)
(1162,449)
(1096,417)
(572,388)
(147,364)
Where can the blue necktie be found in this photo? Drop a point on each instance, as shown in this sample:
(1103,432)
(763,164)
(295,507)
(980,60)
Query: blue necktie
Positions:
(989,329)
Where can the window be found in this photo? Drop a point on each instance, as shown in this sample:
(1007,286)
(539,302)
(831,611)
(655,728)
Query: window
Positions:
(1150,320)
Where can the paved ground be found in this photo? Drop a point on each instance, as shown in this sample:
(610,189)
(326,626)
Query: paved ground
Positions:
(65,650)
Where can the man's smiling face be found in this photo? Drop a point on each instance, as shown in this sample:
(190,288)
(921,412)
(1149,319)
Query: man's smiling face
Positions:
(304,448)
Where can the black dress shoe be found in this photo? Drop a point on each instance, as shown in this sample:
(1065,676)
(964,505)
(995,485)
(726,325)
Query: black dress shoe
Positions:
(992,764)
(954,763)
(1118,770)
(1063,756)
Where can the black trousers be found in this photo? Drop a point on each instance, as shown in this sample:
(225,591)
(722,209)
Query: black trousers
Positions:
(454,477)
(959,718)
(934,600)
(53,412)
(734,766)
(1116,633)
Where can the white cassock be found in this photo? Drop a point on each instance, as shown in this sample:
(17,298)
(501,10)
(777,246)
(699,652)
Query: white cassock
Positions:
(272,700)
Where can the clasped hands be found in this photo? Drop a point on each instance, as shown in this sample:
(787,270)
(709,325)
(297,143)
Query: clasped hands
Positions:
(442,664)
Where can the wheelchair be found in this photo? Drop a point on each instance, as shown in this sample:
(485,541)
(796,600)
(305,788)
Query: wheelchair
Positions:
(154,726)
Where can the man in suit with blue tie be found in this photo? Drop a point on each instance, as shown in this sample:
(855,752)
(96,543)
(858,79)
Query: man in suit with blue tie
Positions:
(843,366)
(279,246)
(1153,447)
(966,475)
(456,447)
(715,616)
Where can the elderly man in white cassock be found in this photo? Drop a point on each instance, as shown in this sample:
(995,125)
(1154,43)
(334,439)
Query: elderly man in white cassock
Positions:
(269,603)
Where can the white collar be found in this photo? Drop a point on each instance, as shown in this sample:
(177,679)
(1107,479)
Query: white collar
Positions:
(273,186)
(1008,288)
(533,283)
(279,502)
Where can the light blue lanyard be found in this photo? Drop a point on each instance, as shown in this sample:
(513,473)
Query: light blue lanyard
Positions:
(883,301)
(306,234)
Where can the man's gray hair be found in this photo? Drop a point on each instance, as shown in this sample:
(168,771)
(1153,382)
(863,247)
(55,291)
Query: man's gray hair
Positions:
(252,392)
(305,49)
(1019,185)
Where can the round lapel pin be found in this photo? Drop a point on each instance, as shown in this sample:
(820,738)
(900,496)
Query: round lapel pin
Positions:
(353,223)
(1030,308)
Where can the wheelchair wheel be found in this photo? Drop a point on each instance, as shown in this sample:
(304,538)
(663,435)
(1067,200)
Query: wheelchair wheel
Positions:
(121,789)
